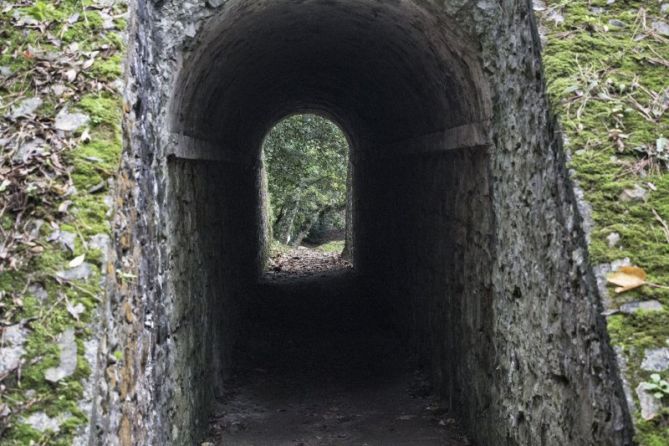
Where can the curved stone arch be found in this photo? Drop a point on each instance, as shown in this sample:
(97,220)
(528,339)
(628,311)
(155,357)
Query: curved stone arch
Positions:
(391,73)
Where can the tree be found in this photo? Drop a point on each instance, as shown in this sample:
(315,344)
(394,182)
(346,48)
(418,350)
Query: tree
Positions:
(306,157)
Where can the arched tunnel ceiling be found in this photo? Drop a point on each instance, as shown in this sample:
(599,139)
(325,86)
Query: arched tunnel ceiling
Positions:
(386,71)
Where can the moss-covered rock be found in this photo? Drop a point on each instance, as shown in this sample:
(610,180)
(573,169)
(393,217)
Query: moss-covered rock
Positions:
(67,56)
(607,76)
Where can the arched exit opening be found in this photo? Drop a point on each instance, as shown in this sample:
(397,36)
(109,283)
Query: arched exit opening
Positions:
(407,89)
(308,182)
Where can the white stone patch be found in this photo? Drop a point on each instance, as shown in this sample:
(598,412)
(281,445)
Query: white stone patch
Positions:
(638,193)
(613,239)
(42,422)
(86,403)
(11,348)
(29,149)
(633,307)
(80,272)
(650,406)
(68,358)
(656,360)
(69,122)
(102,243)
(25,108)
(627,389)
(75,310)
(64,238)
(661,28)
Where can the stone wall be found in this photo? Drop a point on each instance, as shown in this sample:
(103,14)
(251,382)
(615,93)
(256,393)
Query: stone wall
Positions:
(464,211)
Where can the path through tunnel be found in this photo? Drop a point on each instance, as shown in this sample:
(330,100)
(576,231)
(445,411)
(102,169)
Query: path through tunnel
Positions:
(407,89)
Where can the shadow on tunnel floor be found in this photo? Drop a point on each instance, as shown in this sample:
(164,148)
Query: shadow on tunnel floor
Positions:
(319,365)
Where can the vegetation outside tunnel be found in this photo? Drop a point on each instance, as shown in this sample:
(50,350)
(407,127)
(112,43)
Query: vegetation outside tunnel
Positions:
(306,158)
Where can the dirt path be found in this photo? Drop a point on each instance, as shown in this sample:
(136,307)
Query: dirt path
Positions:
(304,262)
(319,367)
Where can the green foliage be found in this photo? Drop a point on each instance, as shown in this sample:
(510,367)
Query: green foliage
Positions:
(657,386)
(336,246)
(307,161)
(44,11)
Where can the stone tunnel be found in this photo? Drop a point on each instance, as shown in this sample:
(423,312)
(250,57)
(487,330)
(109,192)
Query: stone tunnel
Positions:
(465,223)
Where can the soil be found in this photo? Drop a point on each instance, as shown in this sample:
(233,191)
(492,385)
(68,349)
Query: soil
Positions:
(320,365)
(304,262)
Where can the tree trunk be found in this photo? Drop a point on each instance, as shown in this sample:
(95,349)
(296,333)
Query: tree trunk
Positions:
(348,244)
(308,224)
(284,226)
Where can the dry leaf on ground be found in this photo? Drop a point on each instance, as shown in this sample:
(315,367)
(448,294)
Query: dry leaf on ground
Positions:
(627,278)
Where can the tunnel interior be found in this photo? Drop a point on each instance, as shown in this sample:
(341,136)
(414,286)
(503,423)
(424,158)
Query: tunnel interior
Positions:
(407,88)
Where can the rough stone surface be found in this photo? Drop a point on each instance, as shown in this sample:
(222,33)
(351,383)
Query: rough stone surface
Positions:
(68,358)
(101,242)
(638,193)
(25,108)
(621,359)
(650,406)
(649,305)
(488,269)
(64,238)
(656,360)
(661,28)
(80,272)
(69,122)
(42,422)
(11,348)
(29,149)
(601,272)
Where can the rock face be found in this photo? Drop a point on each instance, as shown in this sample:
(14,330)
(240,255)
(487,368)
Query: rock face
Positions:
(656,360)
(68,358)
(464,215)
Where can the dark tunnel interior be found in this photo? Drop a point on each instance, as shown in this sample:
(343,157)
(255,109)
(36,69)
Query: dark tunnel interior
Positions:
(409,92)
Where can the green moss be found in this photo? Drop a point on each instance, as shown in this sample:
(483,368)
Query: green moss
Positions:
(336,247)
(89,164)
(103,108)
(107,69)
(650,433)
(86,30)
(44,11)
(597,77)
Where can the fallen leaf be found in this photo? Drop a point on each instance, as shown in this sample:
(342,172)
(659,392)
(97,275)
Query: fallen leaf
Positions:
(627,278)
(77,261)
